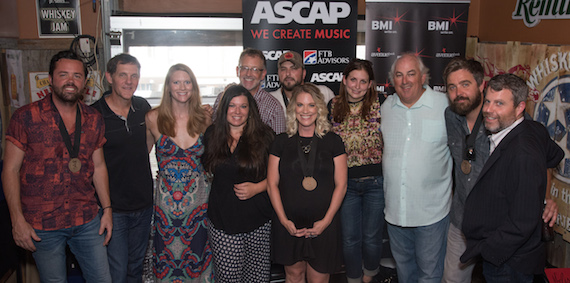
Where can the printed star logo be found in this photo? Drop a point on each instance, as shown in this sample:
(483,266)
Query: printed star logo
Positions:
(419,53)
(386,85)
(399,18)
(443,50)
(378,49)
(453,19)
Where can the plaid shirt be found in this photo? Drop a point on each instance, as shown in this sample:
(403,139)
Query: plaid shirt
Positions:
(269,108)
(52,196)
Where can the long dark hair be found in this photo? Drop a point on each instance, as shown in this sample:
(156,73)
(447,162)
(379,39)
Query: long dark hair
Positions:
(341,107)
(253,152)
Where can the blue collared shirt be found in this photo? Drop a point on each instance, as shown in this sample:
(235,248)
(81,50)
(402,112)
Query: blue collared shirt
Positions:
(416,162)
(457,130)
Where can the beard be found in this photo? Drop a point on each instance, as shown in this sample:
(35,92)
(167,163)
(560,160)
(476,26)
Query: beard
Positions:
(465,108)
(289,85)
(500,123)
(68,96)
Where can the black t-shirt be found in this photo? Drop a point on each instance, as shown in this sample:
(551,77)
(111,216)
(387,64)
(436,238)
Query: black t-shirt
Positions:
(225,211)
(126,156)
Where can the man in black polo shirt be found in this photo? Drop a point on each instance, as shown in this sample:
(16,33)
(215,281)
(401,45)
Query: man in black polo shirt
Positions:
(127,158)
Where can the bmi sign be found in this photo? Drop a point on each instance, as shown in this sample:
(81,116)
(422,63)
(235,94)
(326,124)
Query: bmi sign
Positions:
(58,18)
(434,30)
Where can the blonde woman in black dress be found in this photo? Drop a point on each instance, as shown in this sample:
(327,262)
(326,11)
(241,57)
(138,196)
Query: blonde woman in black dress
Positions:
(307,178)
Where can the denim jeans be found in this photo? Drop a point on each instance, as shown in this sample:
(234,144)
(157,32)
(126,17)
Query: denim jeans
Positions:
(362,219)
(419,252)
(128,245)
(85,243)
(504,274)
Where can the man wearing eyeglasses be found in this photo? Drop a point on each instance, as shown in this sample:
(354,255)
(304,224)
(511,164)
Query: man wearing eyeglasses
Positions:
(251,72)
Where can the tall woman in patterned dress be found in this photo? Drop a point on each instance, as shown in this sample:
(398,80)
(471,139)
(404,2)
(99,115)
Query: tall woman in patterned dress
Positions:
(181,251)
(239,212)
(355,117)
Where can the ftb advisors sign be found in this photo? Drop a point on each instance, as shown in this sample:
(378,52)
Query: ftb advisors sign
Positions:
(58,18)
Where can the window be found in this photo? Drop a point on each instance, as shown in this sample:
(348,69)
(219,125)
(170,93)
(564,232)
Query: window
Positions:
(209,46)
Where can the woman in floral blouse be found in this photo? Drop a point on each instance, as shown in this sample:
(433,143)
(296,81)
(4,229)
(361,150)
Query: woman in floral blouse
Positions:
(355,117)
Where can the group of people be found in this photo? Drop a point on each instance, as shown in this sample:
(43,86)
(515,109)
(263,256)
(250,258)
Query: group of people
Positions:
(298,176)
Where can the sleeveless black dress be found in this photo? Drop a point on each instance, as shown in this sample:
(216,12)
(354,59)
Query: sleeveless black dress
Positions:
(323,253)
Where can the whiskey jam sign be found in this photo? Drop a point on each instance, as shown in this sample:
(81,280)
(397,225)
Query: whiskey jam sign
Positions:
(58,18)
(532,11)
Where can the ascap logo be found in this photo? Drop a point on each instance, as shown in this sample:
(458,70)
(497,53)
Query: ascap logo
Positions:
(532,11)
(285,12)
(326,77)
(273,55)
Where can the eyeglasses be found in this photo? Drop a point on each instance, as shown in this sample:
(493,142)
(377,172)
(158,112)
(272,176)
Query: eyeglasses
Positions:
(254,69)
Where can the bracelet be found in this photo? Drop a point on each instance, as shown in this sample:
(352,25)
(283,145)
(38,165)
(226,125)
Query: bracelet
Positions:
(107,207)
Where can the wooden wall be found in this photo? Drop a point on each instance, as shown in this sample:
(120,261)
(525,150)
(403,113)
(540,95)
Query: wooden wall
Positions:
(489,20)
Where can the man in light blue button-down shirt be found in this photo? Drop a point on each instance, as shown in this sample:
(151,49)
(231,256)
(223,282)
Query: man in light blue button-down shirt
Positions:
(417,172)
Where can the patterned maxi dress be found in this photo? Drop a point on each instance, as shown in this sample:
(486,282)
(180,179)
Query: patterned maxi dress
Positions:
(181,250)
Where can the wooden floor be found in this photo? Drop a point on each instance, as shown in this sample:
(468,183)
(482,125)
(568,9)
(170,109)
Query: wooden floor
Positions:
(384,275)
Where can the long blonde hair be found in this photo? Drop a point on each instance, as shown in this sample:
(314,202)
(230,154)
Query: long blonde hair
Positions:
(322,124)
(197,121)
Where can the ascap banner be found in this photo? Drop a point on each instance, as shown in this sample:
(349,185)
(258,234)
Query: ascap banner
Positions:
(433,30)
(546,70)
(323,32)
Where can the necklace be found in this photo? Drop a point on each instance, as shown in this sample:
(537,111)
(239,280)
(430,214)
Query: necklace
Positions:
(306,148)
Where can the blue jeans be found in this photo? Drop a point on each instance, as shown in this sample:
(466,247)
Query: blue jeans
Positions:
(419,252)
(85,243)
(504,274)
(128,245)
(362,219)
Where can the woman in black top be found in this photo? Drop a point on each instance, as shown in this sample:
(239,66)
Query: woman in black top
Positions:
(239,212)
(307,175)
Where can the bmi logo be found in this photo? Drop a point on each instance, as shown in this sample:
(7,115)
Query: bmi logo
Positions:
(382,25)
(438,25)
(310,57)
